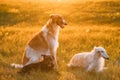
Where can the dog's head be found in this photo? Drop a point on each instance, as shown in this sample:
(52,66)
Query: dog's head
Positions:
(57,19)
(101,52)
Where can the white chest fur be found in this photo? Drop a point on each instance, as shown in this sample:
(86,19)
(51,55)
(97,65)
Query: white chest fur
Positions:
(53,41)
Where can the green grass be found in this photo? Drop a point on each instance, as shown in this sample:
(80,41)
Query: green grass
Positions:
(89,24)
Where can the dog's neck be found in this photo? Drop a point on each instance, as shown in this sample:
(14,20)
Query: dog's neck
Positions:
(95,55)
(52,29)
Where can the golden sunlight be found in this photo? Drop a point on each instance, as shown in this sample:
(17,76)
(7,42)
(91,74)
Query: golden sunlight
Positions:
(90,23)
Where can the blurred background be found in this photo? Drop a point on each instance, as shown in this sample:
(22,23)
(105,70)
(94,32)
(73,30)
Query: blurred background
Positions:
(77,12)
(90,23)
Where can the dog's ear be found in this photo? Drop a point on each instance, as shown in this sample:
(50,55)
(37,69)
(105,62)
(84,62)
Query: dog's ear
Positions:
(52,18)
(96,48)
(51,15)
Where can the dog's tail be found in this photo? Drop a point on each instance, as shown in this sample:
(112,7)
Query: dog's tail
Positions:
(16,65)
(24,61)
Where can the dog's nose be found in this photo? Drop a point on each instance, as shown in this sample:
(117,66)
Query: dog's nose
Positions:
(107,58)
(65,23)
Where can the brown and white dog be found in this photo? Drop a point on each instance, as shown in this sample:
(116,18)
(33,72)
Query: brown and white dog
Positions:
(44,42)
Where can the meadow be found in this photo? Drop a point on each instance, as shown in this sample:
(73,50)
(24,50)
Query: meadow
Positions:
(90,23)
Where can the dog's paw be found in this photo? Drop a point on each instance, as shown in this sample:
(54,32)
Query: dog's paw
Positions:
(68,65)
(105,68)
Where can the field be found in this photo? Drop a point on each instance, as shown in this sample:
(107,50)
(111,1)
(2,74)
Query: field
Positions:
(90,23)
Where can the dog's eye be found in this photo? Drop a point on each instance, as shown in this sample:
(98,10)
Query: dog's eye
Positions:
(102,51)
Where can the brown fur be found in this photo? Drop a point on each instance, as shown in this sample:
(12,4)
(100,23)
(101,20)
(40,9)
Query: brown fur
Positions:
(38,42)
(24,59)
(41,43)
(45,65)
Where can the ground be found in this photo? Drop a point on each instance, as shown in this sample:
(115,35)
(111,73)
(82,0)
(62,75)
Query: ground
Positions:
(89,24)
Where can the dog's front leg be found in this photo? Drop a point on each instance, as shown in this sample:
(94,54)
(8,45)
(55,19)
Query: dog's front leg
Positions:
(55,59)
(55,62)
(90,67)
(53,45)
(100,66)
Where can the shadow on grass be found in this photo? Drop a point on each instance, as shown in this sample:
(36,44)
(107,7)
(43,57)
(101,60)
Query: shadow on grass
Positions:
(103,12)
(12,73)
(39,75)
(12,15)
(80,73)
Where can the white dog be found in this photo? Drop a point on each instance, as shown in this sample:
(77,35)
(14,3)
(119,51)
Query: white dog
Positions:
(93,60)
(44,42)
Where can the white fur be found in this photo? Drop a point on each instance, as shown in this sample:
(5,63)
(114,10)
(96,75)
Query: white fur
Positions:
(17,65)
(54,40)
(90,60)
(50,33)
(45,30)
(34,55)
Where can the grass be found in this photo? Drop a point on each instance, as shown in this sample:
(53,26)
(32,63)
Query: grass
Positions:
(89,24)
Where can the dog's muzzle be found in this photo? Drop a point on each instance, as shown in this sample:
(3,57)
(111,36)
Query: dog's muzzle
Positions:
(104,55)
(64,22)
(106,58)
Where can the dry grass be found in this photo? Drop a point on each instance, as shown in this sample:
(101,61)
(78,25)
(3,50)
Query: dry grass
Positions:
(89,24)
